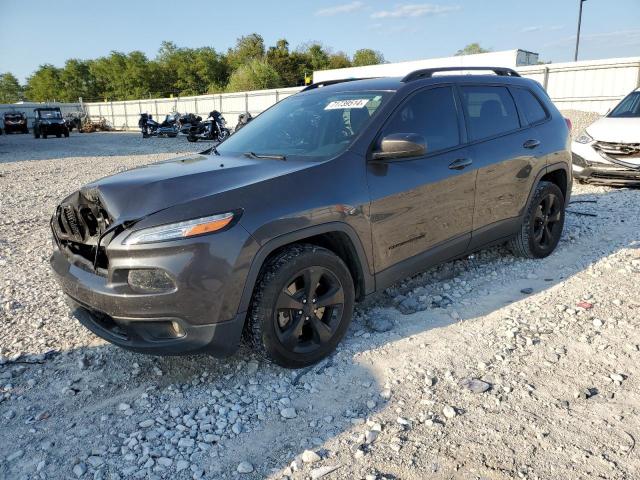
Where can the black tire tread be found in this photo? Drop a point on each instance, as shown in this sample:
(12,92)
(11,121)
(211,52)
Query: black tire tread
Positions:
(519,245)
(257,309)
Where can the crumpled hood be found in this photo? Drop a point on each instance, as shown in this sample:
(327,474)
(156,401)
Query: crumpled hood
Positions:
(137,193)
(615,130)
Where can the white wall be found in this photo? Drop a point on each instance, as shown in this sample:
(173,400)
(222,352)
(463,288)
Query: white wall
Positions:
(125,115)
(592,86)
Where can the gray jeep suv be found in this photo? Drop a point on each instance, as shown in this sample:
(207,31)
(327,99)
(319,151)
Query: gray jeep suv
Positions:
(327,197)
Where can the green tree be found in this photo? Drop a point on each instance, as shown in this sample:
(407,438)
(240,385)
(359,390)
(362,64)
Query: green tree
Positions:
(255,75)
(472,49)
(44,84)
(317,55)
(123,76)
(248,48)
(289,65)
(339,60)
(10,89)
(188,71)
(76,81)
(367,56)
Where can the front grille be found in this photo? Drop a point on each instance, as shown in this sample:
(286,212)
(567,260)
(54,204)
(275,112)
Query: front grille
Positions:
(71,221)
(618,150)
(77,227)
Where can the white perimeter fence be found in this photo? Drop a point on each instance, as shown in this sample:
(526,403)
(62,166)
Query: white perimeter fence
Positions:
(125,115)
(593,86)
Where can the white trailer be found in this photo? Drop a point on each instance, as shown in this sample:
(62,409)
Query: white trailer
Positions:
(506,58)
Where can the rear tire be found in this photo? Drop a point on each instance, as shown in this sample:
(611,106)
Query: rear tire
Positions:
(192,139)
(224,134)
(307,279)
(543,223)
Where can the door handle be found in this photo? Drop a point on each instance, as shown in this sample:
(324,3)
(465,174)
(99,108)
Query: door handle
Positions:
(531,144)
(460,163)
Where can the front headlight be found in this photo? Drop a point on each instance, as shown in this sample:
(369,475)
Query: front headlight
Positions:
(186,229)
(584,137)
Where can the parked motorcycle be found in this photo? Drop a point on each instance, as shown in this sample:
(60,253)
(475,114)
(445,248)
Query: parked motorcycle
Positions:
(186,121)
(148,126)
(243,119)
(213,128)
(168,127)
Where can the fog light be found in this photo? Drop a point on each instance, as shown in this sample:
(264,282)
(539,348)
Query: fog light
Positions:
(150,280)
(177,328)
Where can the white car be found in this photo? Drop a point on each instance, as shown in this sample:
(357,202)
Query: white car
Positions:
(608,151)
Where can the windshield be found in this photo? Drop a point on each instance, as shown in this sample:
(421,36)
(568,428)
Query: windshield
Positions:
(628,107)
(50,114)
(315,126)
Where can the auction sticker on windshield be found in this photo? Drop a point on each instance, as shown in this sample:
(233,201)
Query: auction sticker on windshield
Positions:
(342,104)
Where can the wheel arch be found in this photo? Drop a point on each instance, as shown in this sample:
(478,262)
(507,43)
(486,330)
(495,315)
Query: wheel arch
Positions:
(557,173)
(558,176)
(338,237)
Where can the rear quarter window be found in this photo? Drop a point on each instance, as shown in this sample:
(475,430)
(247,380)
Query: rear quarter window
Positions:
(490,111)
(529,105)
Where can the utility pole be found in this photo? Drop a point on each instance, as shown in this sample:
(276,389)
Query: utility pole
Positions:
(575,57)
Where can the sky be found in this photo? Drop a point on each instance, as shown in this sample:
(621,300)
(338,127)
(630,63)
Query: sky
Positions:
(34,32)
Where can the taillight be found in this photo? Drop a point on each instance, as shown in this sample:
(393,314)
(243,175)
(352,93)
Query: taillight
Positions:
(569,124)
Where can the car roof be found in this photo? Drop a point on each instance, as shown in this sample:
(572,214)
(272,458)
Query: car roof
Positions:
(397,83)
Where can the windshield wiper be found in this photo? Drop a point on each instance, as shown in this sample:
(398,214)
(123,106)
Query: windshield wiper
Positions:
(211,149)
(265,155)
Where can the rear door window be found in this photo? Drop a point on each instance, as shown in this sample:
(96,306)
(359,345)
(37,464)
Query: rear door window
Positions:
(431,113)
(490,111)
(529,105)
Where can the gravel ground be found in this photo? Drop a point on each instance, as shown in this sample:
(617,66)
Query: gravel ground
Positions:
(489,367)
(580,120)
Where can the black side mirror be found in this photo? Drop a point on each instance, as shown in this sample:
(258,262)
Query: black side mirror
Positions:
(400,145)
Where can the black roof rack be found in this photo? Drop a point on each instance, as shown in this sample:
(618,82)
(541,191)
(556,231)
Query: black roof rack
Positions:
(330,82)
(428,72)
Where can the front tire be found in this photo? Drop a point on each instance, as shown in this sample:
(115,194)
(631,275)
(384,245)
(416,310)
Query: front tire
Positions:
(543,223)
(192,139)
(302,306)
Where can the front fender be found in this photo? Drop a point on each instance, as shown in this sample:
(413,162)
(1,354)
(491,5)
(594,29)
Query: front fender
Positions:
(296,236)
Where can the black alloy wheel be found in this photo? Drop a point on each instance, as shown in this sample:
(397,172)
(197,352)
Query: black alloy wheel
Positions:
(309,309)
(546,222)
(301,307)
(542,224)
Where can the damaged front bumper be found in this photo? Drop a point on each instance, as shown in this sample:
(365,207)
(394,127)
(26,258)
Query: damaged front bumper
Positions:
(166,298)
(592,164)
